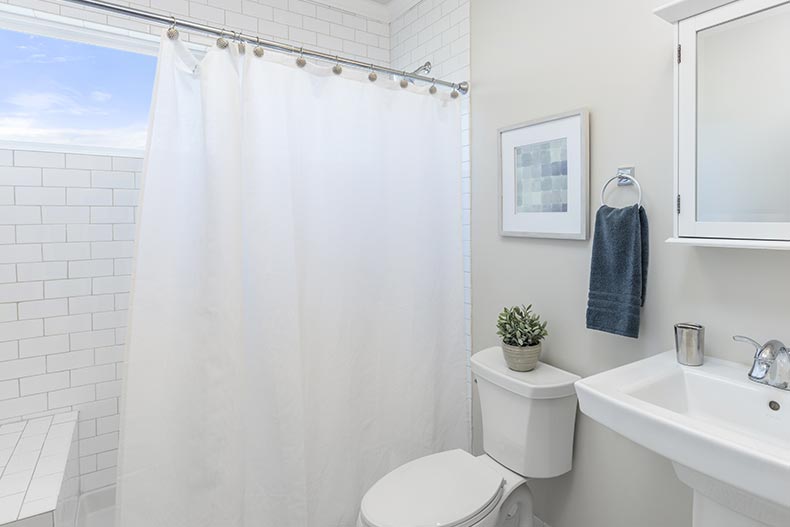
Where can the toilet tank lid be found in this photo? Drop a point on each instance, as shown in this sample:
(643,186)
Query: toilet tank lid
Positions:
(544,382)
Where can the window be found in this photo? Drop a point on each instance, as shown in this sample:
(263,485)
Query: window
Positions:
(62,92)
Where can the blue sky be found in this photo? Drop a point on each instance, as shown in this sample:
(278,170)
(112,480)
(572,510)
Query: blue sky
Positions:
(58,91)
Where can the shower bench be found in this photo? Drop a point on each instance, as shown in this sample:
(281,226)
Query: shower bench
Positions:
(39,476)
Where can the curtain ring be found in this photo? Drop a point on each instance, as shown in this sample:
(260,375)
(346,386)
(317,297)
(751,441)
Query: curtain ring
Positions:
(172,32)
(258,48)
(337,69)
(403,82)
(240,43)
(432,89)
(221,42)
(300,61)
(372,76)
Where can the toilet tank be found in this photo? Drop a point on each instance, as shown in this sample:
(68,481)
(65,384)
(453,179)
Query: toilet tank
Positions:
(528,417)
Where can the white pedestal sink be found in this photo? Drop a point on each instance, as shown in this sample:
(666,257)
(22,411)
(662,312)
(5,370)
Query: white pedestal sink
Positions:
(727,437)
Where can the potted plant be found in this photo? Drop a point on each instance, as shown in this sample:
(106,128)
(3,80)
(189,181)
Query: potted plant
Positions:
(522,332)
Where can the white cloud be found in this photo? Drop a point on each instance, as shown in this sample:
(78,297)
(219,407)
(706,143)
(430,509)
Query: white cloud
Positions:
(38,58)
(100,96)
(50,102)
(58,60)
(28,130)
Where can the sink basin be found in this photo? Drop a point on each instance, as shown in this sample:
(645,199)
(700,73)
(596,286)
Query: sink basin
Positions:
(727,437)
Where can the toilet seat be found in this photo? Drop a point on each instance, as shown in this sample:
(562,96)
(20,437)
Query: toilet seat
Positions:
(449,489)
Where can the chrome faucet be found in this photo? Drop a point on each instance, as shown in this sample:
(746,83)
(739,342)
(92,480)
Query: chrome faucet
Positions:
(771,363)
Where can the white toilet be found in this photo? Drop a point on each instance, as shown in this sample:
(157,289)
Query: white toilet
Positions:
(528,423)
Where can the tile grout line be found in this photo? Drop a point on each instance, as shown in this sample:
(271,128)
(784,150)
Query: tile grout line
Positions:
(35,466)
(2,473)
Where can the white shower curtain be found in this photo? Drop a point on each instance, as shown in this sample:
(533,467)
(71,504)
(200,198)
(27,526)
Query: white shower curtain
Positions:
(297,310)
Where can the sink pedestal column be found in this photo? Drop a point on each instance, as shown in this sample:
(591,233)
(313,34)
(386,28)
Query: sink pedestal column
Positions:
(708,513)
(717,504)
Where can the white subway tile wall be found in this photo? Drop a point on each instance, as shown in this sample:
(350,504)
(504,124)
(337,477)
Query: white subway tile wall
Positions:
(438,31)
(67,231)
(298,22)
(67,220)
(66,241)
(435,30)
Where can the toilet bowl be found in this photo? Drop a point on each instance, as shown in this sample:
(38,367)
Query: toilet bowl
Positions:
(528,425)
(448,489)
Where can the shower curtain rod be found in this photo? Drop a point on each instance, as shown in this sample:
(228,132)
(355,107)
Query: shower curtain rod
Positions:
(461,87)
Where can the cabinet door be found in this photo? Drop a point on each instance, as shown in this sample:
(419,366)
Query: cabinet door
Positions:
(734,122)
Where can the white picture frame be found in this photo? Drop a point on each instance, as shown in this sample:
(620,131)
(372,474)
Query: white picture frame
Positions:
(544,177)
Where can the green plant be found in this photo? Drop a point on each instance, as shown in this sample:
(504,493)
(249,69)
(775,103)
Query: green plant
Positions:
(520,326)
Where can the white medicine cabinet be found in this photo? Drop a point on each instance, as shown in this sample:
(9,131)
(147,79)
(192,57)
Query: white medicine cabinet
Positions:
(732,122)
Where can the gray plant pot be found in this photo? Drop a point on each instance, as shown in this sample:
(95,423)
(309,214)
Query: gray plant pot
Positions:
(521,358)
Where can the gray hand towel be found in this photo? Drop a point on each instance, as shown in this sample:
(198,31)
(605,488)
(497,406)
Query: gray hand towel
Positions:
(618,270)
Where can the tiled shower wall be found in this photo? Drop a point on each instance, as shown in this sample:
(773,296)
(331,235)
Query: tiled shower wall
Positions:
(66,220)
(434,30)
(299,22)
(66,241)
(66,231)
(438,31)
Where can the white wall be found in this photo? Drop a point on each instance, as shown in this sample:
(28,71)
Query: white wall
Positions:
(66,228)
(533,58)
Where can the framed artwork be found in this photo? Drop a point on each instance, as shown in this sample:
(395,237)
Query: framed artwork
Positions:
(544,177)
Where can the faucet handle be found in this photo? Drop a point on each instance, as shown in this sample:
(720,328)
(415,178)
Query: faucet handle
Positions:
(768,351)
(748,340)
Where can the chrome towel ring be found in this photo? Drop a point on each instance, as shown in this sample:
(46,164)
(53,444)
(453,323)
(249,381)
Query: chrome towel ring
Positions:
(621,176)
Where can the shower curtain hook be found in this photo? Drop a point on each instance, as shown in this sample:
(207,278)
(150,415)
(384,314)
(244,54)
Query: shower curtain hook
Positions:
(403,82)
(172,32)
(300,61)
(221,42)
(258,48)
(372,76)
(337,69)
(432,89)
(240,43)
